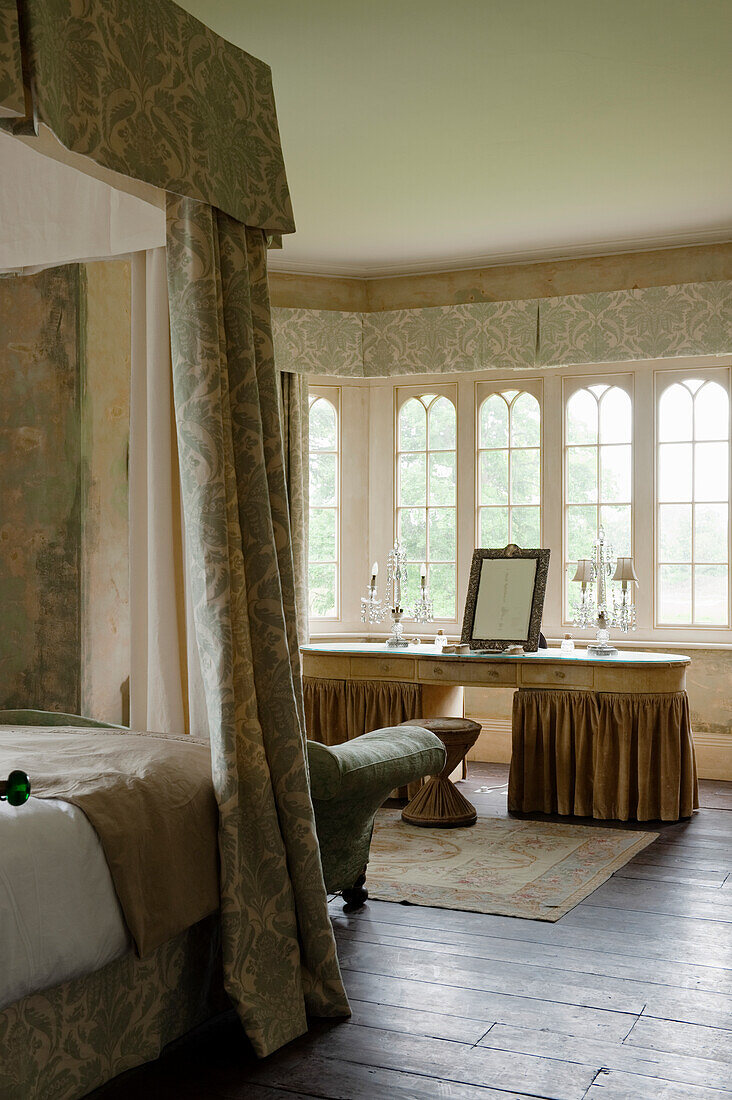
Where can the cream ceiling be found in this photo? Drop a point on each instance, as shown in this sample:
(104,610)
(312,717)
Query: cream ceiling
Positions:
(428,134)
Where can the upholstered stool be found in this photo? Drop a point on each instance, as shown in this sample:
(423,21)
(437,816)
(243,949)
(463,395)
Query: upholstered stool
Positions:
(439,804)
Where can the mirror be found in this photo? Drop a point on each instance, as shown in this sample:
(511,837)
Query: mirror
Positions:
(505,598)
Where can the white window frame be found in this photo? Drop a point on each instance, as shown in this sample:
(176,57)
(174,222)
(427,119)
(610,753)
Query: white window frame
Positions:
(570,386)
(485,389)
(332,394)
(402,394)
(663,379)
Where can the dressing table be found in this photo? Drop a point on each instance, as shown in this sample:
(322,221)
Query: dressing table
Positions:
(603,737)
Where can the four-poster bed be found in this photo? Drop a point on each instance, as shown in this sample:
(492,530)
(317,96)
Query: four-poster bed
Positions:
(181,126)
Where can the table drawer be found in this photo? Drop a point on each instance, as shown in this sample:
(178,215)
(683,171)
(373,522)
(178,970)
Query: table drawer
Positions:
(475,671)
(382,668)
(577,676)
(325,666)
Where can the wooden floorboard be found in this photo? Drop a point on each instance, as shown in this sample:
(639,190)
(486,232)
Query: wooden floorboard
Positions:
(627,997)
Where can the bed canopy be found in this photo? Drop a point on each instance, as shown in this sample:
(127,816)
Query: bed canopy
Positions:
(161,132)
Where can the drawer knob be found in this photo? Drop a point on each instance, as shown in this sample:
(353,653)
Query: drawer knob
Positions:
(383,667)
(439,671)
(560,675)
(492,673)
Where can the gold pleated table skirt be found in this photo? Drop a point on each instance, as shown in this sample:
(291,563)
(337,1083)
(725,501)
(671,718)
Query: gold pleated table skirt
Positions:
(608,756)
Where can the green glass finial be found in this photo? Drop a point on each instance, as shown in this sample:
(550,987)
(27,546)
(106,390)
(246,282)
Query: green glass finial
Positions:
(16,788)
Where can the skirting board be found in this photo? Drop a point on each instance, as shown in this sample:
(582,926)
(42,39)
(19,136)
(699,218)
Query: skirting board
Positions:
(713,751)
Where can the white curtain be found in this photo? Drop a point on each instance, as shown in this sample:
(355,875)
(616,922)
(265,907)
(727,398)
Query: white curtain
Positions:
(166,691)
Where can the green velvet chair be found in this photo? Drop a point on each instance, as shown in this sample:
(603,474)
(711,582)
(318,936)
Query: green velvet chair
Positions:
(348,784)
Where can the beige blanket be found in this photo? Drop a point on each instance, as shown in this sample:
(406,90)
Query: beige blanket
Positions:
(151,802)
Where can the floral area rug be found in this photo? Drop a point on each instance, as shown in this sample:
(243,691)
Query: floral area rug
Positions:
(515,868)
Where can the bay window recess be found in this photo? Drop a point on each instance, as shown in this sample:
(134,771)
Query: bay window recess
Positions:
(459,461)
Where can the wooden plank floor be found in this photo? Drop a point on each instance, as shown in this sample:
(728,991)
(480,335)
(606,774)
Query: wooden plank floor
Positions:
(627,997)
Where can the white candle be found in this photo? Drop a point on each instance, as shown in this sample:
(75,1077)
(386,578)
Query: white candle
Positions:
(423,575)
(374,573)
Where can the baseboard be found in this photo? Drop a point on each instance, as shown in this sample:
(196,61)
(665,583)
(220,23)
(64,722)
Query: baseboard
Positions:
(713,755)
(713,750)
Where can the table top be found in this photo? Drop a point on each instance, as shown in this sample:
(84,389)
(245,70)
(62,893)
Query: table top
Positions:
(624,657)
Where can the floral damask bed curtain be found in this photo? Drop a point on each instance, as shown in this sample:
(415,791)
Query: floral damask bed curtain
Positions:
(148,91)
(279,953)
(295,417)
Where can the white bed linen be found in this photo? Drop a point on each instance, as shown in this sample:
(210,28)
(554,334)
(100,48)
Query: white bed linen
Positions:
(59,913)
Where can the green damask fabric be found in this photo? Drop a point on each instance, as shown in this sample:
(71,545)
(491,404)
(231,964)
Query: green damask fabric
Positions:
(61,1043)
(650,323)
(147,90)
(279,952)
(294,418)
(12,92)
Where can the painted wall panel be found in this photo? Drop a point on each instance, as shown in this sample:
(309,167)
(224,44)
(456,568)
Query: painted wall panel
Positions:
(40,490)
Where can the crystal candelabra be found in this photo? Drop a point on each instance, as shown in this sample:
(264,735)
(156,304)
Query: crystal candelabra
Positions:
(423,611)
(596,609)
(374,610)
(396,576)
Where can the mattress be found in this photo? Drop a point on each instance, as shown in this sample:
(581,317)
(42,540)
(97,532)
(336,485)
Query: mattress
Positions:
(59,913)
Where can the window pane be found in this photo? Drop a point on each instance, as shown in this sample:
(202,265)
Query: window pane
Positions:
(525,421)
(322,536)
(615,473)
(710,594)
(323,485)
(322,429)
(711,412)
(493,422)
(615,518)
(411,587)
(711,473)
(442,425)
(710,533)
(525,477)
(526,527)
(412,426)
(674,414)
(322,590)
(581,532)
(494,477)
(615,416)
(412,528)
(674,593)
(442,477)
(412,479)
(494,528)
(582,418)
(674,471)
(581,474)
(442,589)
(442,534)
(674,532)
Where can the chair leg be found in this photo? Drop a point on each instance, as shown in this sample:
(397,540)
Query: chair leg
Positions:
(356,895)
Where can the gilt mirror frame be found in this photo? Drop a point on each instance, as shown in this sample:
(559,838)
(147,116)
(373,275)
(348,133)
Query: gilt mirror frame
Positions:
(529,608)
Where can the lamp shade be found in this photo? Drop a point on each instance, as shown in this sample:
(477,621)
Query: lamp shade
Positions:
(625,570)
(585,571)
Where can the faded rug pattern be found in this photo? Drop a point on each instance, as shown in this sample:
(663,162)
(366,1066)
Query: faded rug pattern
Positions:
(534,869)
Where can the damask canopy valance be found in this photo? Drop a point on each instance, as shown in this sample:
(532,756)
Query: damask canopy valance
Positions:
(604,327)
(146,90)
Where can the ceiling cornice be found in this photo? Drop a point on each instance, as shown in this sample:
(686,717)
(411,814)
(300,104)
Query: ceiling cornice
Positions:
(279,263)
